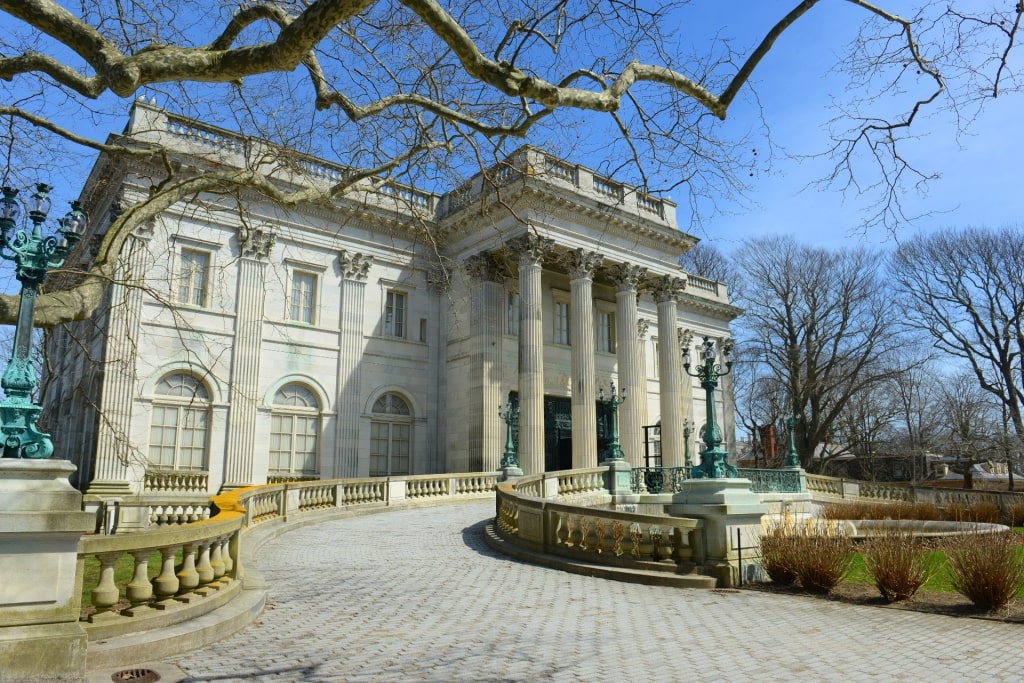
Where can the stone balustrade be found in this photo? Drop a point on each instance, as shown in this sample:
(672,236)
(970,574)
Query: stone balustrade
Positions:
(596,535)
(834,490)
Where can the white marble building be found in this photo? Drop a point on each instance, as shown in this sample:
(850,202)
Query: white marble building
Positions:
(377,335)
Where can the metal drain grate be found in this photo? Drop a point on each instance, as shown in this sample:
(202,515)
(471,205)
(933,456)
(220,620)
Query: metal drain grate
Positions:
(135,675)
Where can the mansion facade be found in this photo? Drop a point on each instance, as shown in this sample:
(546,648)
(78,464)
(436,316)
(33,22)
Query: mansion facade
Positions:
(378,335)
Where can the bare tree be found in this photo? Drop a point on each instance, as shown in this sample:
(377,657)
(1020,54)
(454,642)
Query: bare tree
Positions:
(821,323)
(963,287)
(971,414)
(419,90)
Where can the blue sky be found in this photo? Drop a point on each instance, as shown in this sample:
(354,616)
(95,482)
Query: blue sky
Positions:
(980,178)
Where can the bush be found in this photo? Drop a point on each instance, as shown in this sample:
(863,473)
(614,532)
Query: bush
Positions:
(777,553)
(897,510)
(899,564)
(1016,514)
(986,568)
(815,555)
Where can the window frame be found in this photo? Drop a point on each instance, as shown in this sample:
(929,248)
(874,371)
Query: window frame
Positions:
(186,410)
(605,312)
(297,311)
(294,413)
(561,318)
(186,283)
(401,422)
(392,296)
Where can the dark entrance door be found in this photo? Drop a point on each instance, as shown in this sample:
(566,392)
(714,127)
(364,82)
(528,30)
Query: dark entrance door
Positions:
(558,433)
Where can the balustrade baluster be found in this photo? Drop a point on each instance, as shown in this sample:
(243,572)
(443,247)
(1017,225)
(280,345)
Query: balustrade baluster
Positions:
(105,594)
(188,577)
(204,568)
(165,585)
(215,560)
(139,590)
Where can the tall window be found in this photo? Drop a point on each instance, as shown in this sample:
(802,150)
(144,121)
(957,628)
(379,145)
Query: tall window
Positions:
(606,331)
(561,322)
(303,297)
(654,345)
(390,436)
(178,432)
(294,426)
(193,277)
(394,315)
(512,304)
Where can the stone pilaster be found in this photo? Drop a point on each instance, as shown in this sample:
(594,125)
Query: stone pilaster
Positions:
(667,290)
(355,269)
(486,435)
(531,250)
(114,457)
(256,245)
(581,335)
(632,413)
(685,339)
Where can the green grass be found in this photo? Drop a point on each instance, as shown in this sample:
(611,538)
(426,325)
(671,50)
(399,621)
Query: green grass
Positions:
(939,581)
(124,569)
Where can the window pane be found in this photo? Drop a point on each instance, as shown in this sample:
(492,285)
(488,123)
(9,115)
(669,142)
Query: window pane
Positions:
(561,323)
(394,315)
(192,277)
(303,296)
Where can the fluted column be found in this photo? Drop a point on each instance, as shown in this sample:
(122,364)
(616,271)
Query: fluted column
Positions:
(690,414)
(245,359)
(355,269)
(486,433)
(581,337)
(531,250)
(113,454)
(633,412)
(666,291)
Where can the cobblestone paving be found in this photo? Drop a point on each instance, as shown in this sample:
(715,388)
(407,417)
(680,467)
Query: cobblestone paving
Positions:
(416,595)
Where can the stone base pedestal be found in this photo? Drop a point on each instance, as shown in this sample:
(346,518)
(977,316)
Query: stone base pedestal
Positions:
(41,520)
(726,506)
(510,473)
(617,481)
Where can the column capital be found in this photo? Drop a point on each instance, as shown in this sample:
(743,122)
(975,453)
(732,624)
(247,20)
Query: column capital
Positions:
(685,338)
(627,276)
(256,242)
(531,247)
(439,278)
(642,327)
(483,267)
(582,264)
(667,288)
(354,266)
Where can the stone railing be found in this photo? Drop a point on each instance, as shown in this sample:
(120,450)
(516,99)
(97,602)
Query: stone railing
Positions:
(833,489)
(198,572)
(198,566)
(595,535)
(175,481)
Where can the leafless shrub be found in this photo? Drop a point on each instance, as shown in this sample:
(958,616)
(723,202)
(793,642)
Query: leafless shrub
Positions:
(898,562)
(816,555)
(987,568)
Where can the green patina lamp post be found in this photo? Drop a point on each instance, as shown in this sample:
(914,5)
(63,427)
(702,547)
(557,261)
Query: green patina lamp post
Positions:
(510,414)
(713,463)
(792,457)
(614,449)
(33,255)
(687,431)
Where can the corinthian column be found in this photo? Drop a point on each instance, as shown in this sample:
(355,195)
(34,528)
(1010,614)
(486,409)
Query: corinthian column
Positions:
(666,293)
(627,278)
(485,323)
(584,393)
(531,250)
(245,360)
(355,268)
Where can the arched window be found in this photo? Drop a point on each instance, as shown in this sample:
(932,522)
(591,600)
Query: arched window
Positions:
(294,427)
(178,431)
(390,436)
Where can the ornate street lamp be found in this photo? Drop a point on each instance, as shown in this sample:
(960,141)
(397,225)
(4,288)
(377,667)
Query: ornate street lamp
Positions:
(713,463)
(33,255)
(792,457)
(510,414)
(614,450)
